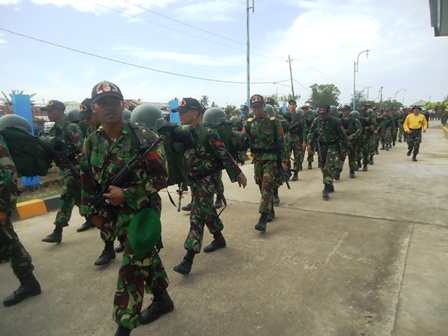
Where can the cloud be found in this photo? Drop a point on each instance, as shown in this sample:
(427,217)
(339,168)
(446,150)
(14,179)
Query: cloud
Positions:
(9,2)
(212,10)
(144,54)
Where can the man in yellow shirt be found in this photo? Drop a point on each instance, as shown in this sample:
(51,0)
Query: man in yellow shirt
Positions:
(413,126)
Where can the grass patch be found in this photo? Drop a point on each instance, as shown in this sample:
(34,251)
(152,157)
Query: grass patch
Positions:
(50,185)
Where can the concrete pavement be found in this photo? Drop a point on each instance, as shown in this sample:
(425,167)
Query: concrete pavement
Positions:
(370,261)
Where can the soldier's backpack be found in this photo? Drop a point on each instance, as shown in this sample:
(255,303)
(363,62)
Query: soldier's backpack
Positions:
(234,141)
(30,155)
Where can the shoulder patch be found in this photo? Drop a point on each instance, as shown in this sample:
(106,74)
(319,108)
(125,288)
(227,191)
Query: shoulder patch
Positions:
(250,119)
(272,118)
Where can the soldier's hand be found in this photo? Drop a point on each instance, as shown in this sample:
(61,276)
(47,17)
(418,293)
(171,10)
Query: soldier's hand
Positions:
(115,195)
(309,148)
(285,166)
(304,145)
(3,218)
(99,222)
(351,137)
(242,181)
(424,131)
(78,157)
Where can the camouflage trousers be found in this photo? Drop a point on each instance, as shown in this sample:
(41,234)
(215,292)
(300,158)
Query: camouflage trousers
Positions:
(414,140)
(352,157)
(241,157)
(115,230)
(387,137)
(365,145)
(296,147)
(136,275)
(400,132)
(266,178)
(394,134)
(71,195)
(202,211)
(329,163)
(11,246)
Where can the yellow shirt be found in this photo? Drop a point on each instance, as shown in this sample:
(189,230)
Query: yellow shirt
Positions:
(413,122)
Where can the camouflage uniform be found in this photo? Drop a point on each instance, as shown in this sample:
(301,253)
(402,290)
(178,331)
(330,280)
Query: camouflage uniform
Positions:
(101,161)
(307,122)
(387,128)
(268,147)
(10,244)
(295,140)
(205,163)
(394,123)
(366,137)
(352,126)
(401,119)
(328,135)
(72,136)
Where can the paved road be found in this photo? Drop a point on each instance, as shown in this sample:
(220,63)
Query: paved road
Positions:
(370,261)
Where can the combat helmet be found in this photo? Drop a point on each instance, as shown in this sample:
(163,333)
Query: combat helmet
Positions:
(354,115)
(214,116)
(334,111)
(126,115)
(148,115)
(269,109)
(300,112)
(73,115)
(233,119)
(14,120)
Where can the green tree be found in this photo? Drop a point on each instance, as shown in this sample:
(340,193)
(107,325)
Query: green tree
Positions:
(232,109)
(286,99)
(7,98)
(323,94)
(204,100)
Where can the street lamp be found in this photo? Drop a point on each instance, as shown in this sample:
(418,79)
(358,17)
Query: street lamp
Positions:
(355,70)
(395,96)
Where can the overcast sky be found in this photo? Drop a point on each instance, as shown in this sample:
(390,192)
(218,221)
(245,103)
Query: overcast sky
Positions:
(207,39)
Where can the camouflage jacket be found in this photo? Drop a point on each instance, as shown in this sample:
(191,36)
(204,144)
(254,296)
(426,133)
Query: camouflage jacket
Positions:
(85,128)
(329,133)
(267,139)
(367,120)
(296,128)
(210,156)
(8,180)
(102,159)
(307,122)
(351,127)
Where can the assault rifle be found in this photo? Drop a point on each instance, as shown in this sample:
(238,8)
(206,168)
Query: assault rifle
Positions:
(61,157)
(119,180)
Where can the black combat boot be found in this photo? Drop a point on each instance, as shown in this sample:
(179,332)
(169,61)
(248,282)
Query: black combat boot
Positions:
(330,188)
(352,173)
(122,331)
(359,165)
(107,255)
(161,304)
(371,162)
(185,266)
(271,216)
(300,166)
(55,237)
(276,198)
(261,225)
(414,157)
(218,202)
(364,167)
(187,207)
(29,286)
(295,177)
(217,243)
(409,152)
(337,175)
(382,147)
(310,165)
(326,192)
(119,248)
(87,225)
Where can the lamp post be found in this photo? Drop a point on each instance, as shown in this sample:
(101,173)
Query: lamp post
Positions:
(355,71)
(395,96)
(248,51)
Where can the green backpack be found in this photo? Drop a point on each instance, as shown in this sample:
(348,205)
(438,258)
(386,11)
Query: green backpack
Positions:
(30,155)
(234,141)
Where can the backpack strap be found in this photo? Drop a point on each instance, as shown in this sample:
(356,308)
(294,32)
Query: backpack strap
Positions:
(136,136)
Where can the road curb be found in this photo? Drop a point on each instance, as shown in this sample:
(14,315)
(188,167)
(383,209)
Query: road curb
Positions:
(34,208)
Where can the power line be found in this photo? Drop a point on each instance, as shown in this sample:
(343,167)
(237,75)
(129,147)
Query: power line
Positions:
(302,86)
(131,64)
(176,30)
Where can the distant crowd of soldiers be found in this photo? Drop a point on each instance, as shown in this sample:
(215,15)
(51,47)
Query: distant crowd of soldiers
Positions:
(103,144)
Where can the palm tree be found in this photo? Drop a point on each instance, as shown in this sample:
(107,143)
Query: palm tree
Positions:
(205,100)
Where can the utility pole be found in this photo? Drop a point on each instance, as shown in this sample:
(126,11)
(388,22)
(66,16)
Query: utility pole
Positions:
(380,91)
(248,52)
(355,71)
(368,87)
(290,75)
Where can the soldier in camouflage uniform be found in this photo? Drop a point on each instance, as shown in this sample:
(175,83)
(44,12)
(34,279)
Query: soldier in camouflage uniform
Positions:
(308,118)
(204,163)
(106,151)
(366,135)
(386,129)
(394,122)
(72,137)
(353,129)
(401,119)
(268,147)
(295,138)
(10,244)
(327,134)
